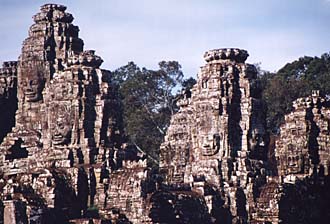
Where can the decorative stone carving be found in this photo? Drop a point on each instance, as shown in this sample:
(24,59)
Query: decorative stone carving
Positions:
(61,123)
(64,158)
(216,147)
(234,54)
(224,135)
(33,82)
(302,146)
(67,142)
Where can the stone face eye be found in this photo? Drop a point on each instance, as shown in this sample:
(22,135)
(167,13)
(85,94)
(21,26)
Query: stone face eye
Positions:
(35,82)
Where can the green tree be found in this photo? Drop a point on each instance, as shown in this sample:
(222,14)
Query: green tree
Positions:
(294,80)
(149,102)
(188,83)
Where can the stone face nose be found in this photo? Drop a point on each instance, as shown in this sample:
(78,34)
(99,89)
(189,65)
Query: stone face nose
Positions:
(232,54)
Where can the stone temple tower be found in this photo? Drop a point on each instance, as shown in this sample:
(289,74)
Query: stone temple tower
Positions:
(218,137)
(46,50)
(67,125)
(64,158)
(61,94)
(302,149)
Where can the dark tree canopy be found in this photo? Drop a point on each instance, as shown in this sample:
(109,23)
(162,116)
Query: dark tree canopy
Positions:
(149,96)
(149,102)
(294,80)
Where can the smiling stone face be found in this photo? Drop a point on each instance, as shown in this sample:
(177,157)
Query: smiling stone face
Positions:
(32,82)
(209,140)
(60,123)
(32,89)
(257,140)
(294,160)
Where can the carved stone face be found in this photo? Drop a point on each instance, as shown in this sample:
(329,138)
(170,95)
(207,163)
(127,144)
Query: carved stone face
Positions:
(211,145)
(207,146)
(32,86)
(257,139)
(60,123)
(209,139)
(294,160)
(105,88)
(61,91)
(257,142)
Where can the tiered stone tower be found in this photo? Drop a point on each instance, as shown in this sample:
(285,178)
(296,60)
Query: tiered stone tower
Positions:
(302,153)
(303,147)
(63,158)
(217,139)
(67,139)
(60,91)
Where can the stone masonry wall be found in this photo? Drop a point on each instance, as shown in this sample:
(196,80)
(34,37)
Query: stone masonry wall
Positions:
(217,139)
(63,156)
(8,97)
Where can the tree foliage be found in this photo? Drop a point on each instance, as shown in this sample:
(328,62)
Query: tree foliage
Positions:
(294,80)
(148,98)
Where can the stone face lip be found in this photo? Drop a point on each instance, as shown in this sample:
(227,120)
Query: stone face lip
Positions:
(233,54)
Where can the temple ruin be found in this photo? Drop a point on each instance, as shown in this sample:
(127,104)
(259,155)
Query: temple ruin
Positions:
(63,152)
(64,158)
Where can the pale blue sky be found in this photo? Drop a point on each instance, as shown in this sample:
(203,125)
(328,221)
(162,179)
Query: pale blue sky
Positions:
(147,31)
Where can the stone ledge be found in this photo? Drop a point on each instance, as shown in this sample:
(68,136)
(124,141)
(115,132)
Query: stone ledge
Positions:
(233,54)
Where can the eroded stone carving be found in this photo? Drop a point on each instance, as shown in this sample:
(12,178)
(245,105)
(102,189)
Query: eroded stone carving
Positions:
(8,96)
(33,82)
(304,137)
(61,123)
(65,158)
(224,136)
(67,142)
(217,147)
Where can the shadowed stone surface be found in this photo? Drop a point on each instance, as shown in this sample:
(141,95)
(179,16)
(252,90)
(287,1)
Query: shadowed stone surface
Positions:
(59,162)
(64,160)
(217,147)
(8,97)
(216,142)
